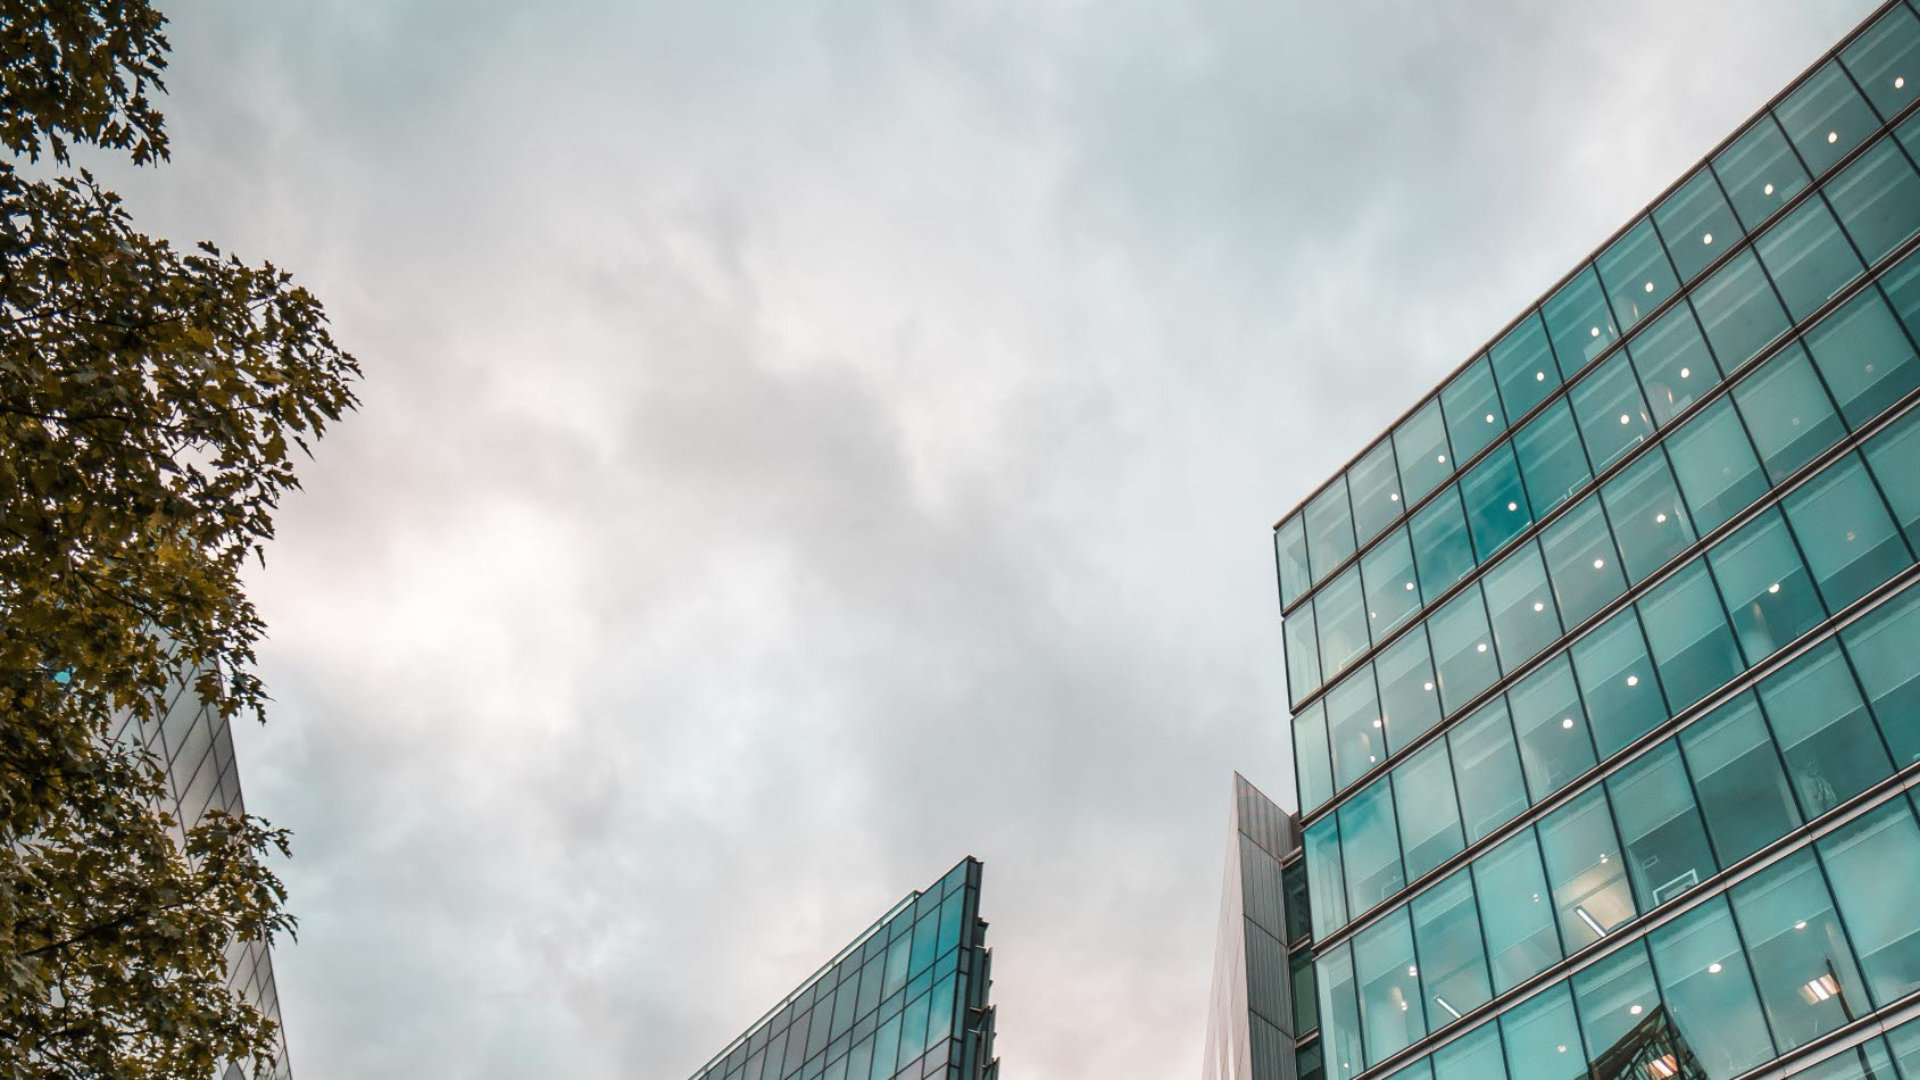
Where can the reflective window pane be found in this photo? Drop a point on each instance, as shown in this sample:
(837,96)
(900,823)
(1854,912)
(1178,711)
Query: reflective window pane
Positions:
(1340,610)
(1578,322)
(1551,725)
(1709,991)
(1901,285)
(1885,60)
(1616,678)
(1453,958)
(1759,172)
(1649,518)
(1303,653)
(1715,465)
(1326,883)
(1877,199)
(1893,456)
(1882,646)
(1441,547)
(1865,357)
(1420,446)
(1874,867)
(1354,725)
(1823,729)
(1486,771)
(1868,1061)
(1409,698)
(1787,412)
(1290,547)
(1373,484)
(1738,310)
(1636,274)
(1312,766)
(1743,790)
(1850,541)
(1393,592)
(1523,365)
(1585,871)
(1692,644)
(1306,1004)
(1582,562)
(1551,458)
(1768,592)
(1826,117)
(1696,223)
(1496,504)
(1474,1056)
(1614,418)
(1339,1013)
(1543,1041)
(1472,409)
(1329,529)
(1462,649)
(1516,912)
(1674,363)
(1660,826)
(1389,981)
(1808,256)
(1370,847)
(1618,1000)
(1429,817)
(1521,604)
(1801,960)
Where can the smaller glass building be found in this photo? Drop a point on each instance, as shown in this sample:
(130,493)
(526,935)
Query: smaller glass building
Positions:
(1256,991)
(906,1000)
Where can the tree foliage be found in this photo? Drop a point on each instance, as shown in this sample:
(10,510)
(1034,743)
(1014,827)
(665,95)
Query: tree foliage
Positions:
(152,402)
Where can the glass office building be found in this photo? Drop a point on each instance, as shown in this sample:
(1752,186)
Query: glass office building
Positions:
(906,1000)
(1251,1025)
(1604,660)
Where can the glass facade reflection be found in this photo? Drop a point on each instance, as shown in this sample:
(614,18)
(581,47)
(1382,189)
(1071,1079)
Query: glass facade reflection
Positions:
(907,999)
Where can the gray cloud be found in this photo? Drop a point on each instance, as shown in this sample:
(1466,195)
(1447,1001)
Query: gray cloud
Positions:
(804,444)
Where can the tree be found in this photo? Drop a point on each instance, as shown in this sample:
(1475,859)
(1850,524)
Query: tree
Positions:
(151,401)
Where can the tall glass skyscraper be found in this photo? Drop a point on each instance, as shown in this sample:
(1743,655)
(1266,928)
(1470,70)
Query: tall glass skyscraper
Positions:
(906,1000)
(1604,660)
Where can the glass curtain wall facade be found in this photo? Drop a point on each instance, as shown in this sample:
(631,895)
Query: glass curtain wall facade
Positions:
(907,1000)
(1604,661)
(1251,1024)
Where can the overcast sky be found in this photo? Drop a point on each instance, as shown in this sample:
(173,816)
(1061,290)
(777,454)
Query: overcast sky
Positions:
(804,443)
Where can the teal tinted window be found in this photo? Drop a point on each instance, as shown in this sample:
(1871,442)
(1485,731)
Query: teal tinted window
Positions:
(1486,771)
(1453,957)
(1692,644)
(1865,357)
(1551,726)
(1496,504)
(1521,605)
(1340,610)
(1393,591)
(1303,653)
(1823,729)
(1523,365)
(1808,256)
(1369,847)
(1868,1061)
(1616,996)
(1787,413)
(1326,883)
(1696,223)
(1767,591)
(1874,866)
(1472,409)
(1667,852)
(1474,1056)
(1649,518)
(1290,548)
(1374,486)
(1462,649)
(1905,1042)
(1850,541)
(1442,550)
(1312,766)
(1516,913)
(1409,698)
(1893,456)
(1715,465)
(1614,417)
(1901,285)
(1809,984)
(1709,990)
(1542,1038)
(1738,309)
(1885,60)
(1420,448)
(1673,362)
(1584,869)
(1578,322)
(1429,817)
(1339,1013)
(1329,529)
(1354,725)
(1389,980)
(1877,199)
(1826,117)
(1743,790)
(1306,1005)
(1616,677)
(1759,172)
(1882,646)
(1552,461)
(1636,274)
(1582,562)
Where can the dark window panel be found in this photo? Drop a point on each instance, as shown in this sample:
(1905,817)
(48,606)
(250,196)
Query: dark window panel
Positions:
(1823,729)
(1768,593)
(1865,358)
(1851,543)
(1878,200)
(1885,60)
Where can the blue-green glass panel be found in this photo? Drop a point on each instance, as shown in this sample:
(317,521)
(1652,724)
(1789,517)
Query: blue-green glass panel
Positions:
(1893,456)
(1882,646)
(1462,648)
(1692,644)
(1329,528)
(1370,847)
(1409,697)
(1616,996)
(1290,550)
(1542,1038)
(940,1013)
(1551,725)
(1850,541)
(1373,484)
(1636,274)
(1648,516)
(1429,815)
(1885,60)
(1476,1055)
(1826,117)
(1823,729)
(1551,458)
(1520,603)
(1665,840)
(1614,417)
(1421,1069)
(1743,790)
(1867,1061)
(1523,366)
(1584,870)
(1340,610)
(1578,322)
(1582,562)
(1864,357)
(1326,882)
(1787,412)
(1617,680)
(1709,990)
(1877,199)
(1873,865)
(1393,591)
(1486,771)
(1696,223)
(913,1027)
(1495,501)
(1716,466)
(1306,1004)
(1759,172)
(1389,981)
(1453,956)
(1472,409)
(1339,1013)
(1809,257)
(1303,653)
(1738,310)
(1901,286)
(1905,1043)
(1767,589)
(1420,447)
(1442,548)
(1674,364)
(1516,912)
(1809,983)
(886,1049)
(1354,727)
